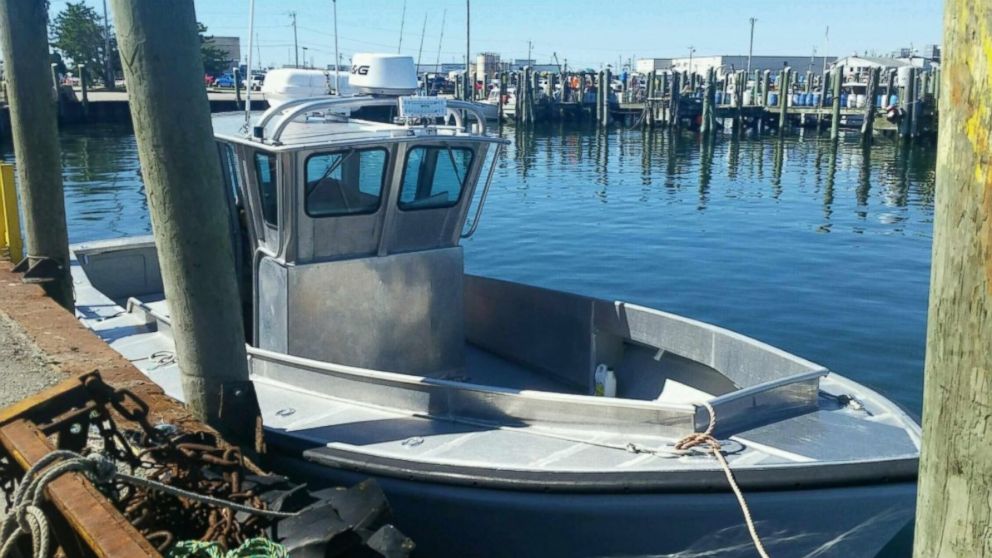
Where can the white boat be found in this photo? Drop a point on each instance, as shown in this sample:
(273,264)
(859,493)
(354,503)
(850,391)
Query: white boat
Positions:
(490,106)
(474,401)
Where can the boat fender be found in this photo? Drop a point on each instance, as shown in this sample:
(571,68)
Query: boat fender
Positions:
(894,114)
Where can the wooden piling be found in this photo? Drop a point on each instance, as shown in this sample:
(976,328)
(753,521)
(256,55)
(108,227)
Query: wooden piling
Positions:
(181,171)
(33,123)
(705,125)
(870,105)
(889,87)
(765,87)
(953,510)
(916,104)
(835,80)
(906,103)
(84,79)
(783,100)
(502,95)
(675,101)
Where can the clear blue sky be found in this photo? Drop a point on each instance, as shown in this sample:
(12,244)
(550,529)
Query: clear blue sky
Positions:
(586,32)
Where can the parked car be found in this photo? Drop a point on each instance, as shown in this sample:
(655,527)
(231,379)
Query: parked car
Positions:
(224,80)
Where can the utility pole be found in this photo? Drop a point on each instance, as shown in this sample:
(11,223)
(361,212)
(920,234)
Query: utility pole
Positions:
(530,49)
(33,123)
(399,49)
(182,176)
(955,484)
(750,48)
(108,63)
(296,44)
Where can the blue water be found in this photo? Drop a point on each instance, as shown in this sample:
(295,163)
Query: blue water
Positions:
(822,251)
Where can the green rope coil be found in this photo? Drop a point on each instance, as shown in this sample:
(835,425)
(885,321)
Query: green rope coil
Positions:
(252,548)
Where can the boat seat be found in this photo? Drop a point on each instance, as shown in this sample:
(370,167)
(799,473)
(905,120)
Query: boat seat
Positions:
(330,196)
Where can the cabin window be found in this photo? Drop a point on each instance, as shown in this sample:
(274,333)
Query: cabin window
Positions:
(345,183)
(265,168)
(434,176)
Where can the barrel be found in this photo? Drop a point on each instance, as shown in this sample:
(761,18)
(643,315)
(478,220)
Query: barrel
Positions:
(773,99)
(748,98)
(719,97)
(861,100)
(815,100)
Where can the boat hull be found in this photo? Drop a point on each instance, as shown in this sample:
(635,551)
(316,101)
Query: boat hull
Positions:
(455,520)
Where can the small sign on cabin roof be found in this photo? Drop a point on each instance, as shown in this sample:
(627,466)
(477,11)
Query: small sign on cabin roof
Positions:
(423,107)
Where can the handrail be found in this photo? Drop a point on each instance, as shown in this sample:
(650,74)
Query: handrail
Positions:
(485,192)
(300,107)
(304,108)
(273,111)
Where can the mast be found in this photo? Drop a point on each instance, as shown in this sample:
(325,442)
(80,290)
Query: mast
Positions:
(440,41)
(251,36)
(469,93)
(421,50)
(399,49)
(337,55)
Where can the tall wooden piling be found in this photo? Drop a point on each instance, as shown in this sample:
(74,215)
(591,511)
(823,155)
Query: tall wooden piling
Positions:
(675,101)
(870,105)
(953,510)
(914,93)
(23,34)
(783,100)
(160,53)
(835,81)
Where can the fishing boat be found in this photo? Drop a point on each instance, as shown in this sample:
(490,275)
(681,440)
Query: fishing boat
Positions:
(500,418)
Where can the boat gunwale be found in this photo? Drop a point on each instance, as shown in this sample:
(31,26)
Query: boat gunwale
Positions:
(784,476)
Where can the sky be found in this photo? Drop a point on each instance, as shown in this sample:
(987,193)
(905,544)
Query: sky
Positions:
(586,33)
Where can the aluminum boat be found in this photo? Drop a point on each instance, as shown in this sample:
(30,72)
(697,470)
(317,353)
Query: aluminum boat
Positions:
(500,418)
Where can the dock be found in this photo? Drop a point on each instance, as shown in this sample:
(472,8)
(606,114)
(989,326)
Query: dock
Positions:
(871,103)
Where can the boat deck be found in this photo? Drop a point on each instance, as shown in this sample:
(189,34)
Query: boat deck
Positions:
(336,431)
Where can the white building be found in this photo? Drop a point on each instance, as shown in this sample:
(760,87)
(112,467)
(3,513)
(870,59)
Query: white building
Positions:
(230,46)
(649,65)
(726,64)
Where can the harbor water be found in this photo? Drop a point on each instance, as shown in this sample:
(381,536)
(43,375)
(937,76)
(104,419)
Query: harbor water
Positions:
(820,249)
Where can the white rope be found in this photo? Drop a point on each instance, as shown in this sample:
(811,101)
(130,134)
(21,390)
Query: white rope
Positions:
(27,517)
(706,438)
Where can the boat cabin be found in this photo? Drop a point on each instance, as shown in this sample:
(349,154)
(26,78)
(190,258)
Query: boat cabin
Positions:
(351,230)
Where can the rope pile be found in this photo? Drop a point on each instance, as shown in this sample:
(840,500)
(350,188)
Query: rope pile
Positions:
(706,439)
(27,518)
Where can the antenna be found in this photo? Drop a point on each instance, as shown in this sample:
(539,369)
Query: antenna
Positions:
(337,56)
(399,49)
(251,34)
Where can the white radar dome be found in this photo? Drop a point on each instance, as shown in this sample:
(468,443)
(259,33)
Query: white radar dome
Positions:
(383,74)
(285,84)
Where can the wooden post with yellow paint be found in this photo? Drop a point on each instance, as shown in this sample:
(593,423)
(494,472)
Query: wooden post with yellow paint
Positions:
(953,510)
(10,222)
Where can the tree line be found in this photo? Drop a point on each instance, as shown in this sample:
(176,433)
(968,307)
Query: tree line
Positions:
(78,37)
